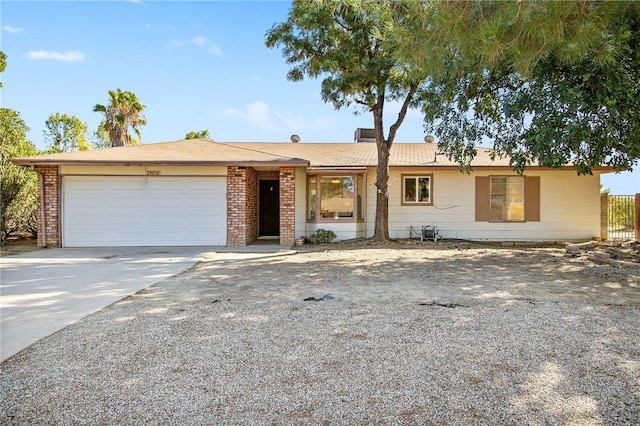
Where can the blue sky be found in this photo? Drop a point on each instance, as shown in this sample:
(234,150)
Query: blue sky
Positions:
(195,65)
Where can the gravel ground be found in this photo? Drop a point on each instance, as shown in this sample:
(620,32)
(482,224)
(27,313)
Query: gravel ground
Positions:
(437,334)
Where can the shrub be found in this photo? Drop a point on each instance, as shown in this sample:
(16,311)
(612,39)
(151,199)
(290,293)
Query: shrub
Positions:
(622,212)
(18,199)
(322,236)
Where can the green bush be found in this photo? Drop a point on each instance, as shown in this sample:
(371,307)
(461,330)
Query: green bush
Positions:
(622,212)
(20,216)
(18,191)
(322,236)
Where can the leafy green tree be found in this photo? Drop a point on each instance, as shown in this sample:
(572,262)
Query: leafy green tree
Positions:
(22,214)
(548,83)
(351,45)
(123,111)
(100,138)
(65,133)
(202,134)
(17,192)
(3,63)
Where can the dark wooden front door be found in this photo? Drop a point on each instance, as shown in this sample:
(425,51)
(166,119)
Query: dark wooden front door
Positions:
(269,209)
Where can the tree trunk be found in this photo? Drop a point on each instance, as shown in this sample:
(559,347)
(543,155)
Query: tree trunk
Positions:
(382,175)
(382,198)
(384,152)
(118,139)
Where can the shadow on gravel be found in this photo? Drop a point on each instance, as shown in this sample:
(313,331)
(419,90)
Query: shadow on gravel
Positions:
(348,337)
(481,276)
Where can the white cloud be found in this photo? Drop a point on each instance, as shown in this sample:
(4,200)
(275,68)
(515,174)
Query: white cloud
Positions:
(198,41)
(12,30)
(68,56)
(259,115)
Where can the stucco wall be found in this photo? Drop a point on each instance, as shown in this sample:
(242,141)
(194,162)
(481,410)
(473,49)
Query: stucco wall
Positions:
(343,231)
(569,207)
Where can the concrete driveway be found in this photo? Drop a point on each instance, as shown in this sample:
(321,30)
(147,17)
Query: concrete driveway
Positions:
(44,291)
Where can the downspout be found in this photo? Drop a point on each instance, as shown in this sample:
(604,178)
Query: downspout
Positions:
(42,210)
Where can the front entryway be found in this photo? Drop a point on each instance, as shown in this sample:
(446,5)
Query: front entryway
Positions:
(269,208)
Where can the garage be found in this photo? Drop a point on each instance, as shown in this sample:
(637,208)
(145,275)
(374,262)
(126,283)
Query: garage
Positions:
(143,211)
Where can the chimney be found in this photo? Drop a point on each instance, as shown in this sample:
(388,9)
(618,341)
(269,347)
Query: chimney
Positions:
(364,135)
(295,138)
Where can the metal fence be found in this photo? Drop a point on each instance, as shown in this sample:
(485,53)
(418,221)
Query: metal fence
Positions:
(621,217)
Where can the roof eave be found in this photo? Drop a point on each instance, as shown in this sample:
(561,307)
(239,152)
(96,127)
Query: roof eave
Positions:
(31,163)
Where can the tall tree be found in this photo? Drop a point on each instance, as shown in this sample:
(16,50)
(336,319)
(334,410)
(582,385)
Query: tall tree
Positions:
(351,44)
(100,138)
(548,83)
(65,133)
(202,134)
(17,192)
(124,111)
(3,63)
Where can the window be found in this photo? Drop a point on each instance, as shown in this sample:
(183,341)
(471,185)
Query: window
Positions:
(507,199)
(311,199)
(335,198)
(416,190)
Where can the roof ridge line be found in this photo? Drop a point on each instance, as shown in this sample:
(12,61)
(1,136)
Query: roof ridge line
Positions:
(227,144)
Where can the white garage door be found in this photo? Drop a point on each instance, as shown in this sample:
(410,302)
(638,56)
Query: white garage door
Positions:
(144,211)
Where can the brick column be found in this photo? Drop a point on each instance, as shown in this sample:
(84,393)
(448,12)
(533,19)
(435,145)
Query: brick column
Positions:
(287,206)
(48,192)
(242,202)
(251,205)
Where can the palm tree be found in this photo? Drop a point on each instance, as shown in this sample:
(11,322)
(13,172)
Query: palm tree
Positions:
(123,111)
(202,134)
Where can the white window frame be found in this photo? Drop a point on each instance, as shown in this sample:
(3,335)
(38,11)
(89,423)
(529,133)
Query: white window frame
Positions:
(417,179)
(314,210)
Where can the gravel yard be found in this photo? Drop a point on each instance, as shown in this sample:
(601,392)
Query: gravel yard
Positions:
(438,333)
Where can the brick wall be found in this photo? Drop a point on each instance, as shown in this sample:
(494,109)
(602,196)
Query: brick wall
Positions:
(242,206)
(287,206)
(251,201)
(49,226)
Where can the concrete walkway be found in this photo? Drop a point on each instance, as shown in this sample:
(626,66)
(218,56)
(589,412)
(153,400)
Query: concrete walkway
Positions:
(44,291)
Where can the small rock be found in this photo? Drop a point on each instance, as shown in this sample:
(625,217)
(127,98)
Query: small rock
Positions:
(600,256)
(580,246)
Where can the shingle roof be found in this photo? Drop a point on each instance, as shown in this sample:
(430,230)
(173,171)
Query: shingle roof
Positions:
(197,151)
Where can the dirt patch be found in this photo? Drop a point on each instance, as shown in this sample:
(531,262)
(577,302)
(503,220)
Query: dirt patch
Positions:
(350,333)
(18,246)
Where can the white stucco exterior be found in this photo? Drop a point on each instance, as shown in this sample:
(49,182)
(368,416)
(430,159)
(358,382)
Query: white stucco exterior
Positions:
(301,199)
(569,207)
(569,204)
